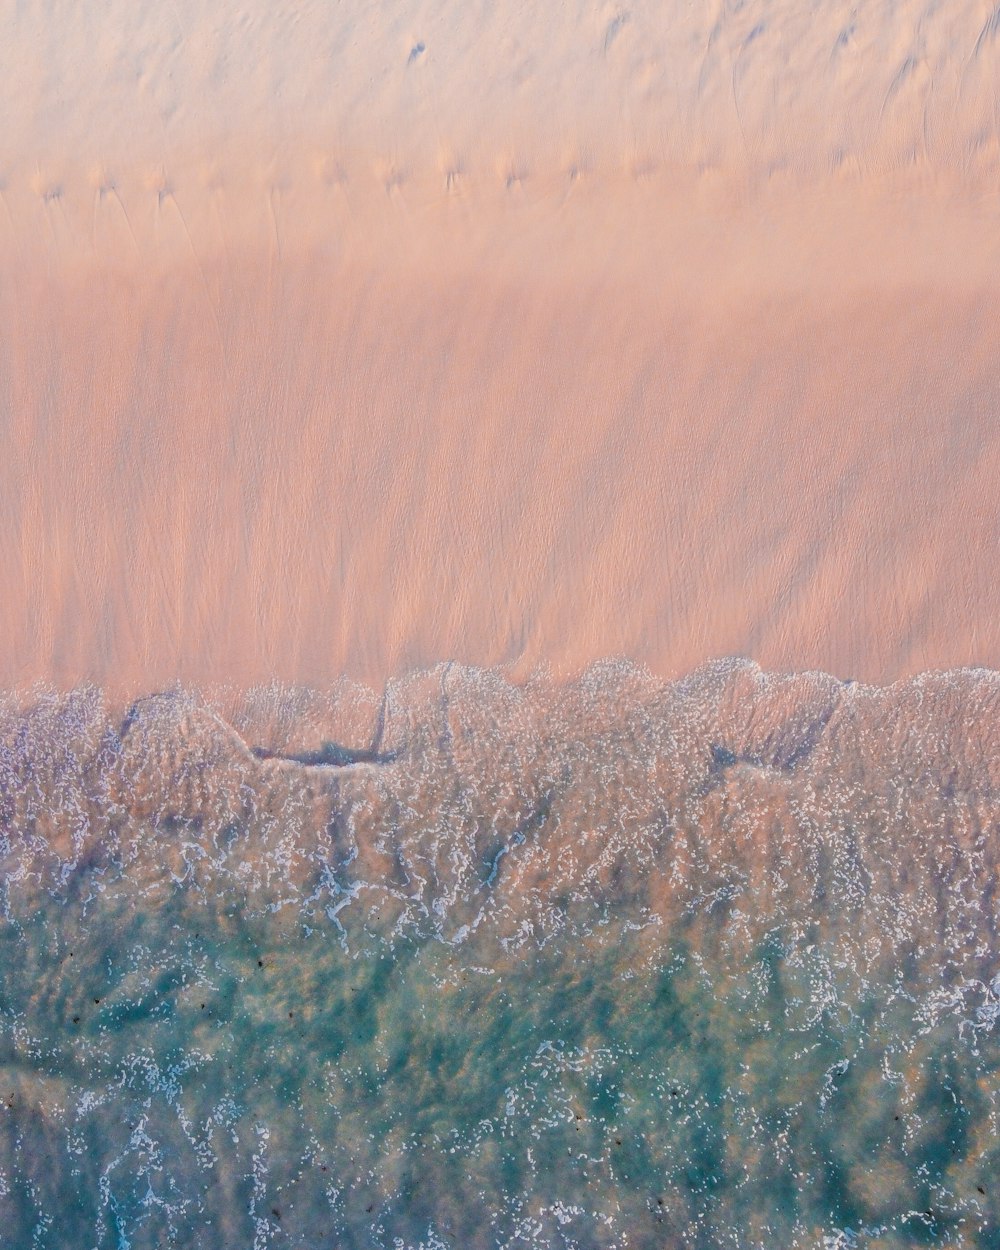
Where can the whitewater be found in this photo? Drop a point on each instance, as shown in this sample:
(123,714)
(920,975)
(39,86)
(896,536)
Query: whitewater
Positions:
(462,962)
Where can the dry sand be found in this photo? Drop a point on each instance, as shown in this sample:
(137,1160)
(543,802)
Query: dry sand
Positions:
(352,339)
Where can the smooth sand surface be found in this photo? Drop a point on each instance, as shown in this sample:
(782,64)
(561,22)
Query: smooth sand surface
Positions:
(349,340)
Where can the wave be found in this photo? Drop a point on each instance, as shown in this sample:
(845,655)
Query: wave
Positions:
(463,962)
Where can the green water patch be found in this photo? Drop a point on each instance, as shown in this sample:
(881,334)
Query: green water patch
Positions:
(202,1075)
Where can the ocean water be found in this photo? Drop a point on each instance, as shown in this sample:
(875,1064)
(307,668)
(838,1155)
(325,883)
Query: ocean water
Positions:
(619,963)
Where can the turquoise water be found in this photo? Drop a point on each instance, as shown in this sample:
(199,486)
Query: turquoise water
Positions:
(565,972)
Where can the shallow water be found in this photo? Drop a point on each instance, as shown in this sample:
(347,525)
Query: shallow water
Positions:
(610,964)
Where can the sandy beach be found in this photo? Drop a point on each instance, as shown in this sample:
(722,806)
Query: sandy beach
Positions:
(351,342)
